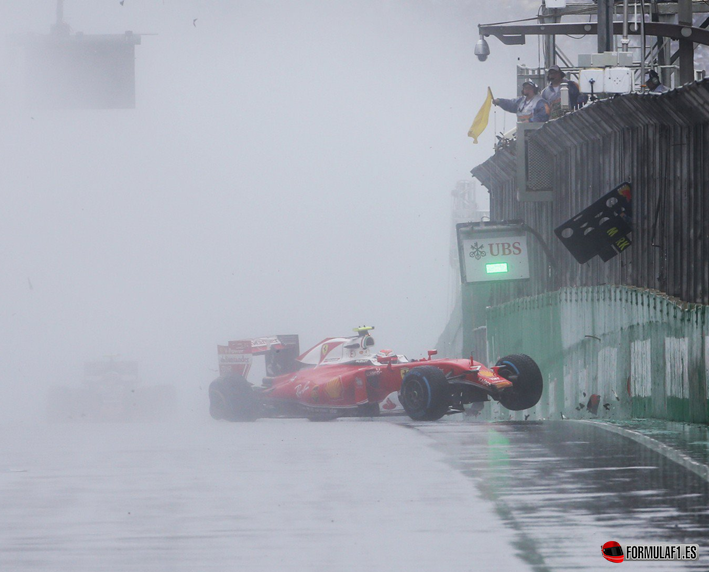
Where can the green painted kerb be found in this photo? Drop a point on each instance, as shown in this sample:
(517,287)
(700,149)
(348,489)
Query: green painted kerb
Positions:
(644,354)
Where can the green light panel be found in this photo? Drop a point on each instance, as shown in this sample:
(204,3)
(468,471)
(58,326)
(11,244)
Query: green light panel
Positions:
(496,268)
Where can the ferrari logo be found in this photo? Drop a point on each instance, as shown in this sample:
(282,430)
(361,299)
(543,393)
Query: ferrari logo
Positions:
(325,347)
(404,371)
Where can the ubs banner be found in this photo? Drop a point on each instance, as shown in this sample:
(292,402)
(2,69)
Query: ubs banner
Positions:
(492,252)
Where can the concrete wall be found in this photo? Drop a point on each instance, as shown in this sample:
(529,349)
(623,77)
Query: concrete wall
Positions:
(644,354)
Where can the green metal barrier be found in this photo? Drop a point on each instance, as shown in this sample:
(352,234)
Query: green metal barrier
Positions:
(642,353)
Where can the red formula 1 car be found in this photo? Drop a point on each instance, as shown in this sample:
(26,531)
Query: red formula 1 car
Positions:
(343,377)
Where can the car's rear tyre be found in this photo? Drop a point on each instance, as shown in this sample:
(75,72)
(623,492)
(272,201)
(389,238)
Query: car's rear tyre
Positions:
(527,382)
(425,393)
(232,398)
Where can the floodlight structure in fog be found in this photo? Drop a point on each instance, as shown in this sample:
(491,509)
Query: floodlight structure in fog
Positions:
(482,49)
(80,71)
(674,22)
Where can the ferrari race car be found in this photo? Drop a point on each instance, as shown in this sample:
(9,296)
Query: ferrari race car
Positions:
(343,377)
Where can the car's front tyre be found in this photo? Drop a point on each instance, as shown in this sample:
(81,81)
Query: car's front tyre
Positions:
(527,382)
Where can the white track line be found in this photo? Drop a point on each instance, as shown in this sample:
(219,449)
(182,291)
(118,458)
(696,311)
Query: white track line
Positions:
(699,469)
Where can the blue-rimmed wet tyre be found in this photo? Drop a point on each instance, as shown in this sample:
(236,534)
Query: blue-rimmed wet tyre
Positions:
(232,398)
(527,382)
(425,393)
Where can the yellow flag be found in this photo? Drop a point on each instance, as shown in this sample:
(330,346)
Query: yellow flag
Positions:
(481,119)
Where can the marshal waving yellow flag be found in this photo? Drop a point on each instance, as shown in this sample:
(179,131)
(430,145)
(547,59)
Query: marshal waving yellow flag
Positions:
(481,119)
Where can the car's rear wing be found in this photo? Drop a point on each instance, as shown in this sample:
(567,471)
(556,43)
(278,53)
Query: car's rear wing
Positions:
(280,352)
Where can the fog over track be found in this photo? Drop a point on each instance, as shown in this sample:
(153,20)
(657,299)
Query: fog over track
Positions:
(269,496)
(286,170)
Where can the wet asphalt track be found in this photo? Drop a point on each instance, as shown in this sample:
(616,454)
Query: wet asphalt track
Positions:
(566,488)
(349,495)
